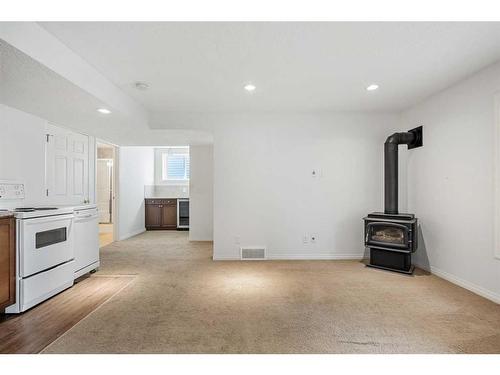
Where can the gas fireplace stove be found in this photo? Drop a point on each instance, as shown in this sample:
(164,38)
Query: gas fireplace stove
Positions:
(390,236)
(391,240)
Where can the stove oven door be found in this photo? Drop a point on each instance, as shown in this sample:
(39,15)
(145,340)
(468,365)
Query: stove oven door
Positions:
(45,242)
(388,235)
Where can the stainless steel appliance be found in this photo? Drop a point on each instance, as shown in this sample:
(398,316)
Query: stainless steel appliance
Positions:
(183,213)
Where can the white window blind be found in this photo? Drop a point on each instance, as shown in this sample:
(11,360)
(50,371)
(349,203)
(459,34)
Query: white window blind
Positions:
(175,164)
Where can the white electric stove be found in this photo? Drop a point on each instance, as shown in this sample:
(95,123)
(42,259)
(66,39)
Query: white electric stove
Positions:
(45,254)
(54,244)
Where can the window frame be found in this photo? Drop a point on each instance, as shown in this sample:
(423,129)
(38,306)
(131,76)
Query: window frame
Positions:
(159,163)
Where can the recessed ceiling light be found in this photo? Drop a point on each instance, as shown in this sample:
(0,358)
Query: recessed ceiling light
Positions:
(250,87)
(372,87)
(104,111)
(141,85)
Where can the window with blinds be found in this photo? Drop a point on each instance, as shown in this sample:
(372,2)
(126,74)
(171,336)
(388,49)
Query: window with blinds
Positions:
(175,164)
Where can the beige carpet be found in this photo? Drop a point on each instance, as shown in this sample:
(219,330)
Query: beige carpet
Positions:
(183,302)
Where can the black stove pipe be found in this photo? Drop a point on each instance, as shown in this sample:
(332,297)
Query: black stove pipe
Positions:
(391,168)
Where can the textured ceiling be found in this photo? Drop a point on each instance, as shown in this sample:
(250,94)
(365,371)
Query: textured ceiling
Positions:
(29,86)
(202,67)
(197,71)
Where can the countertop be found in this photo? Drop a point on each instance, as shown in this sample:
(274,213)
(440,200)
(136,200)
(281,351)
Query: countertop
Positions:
(6,214)
(85,206)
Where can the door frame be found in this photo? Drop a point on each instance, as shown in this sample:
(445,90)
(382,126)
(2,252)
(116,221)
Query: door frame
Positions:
(496,175)
(114,205)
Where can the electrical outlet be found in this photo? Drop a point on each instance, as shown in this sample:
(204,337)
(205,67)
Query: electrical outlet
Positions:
(305,238)
(314,238)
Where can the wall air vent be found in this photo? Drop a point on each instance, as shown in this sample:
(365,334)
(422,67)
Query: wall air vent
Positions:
(253,253)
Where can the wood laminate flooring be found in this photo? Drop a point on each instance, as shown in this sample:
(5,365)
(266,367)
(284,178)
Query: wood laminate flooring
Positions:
(32,331)
(105,234)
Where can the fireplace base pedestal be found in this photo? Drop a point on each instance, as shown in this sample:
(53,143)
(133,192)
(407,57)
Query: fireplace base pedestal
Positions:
(409,272)
(391,260)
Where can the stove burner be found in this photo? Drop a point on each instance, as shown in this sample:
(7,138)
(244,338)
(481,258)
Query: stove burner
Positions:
(33,209)
(24,209)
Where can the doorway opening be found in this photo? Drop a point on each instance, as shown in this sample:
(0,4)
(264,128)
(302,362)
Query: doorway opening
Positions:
(105,192)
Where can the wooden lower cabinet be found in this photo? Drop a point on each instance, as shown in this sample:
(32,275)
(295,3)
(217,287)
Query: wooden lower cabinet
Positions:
(153,216)
(161,214)
(169,216)
(7,262)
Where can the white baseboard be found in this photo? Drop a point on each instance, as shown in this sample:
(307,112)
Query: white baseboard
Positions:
(492,296)
(132,234)
(226,257)
(316,256)
(300,257)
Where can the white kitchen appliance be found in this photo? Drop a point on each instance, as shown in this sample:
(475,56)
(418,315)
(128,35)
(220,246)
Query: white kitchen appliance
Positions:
(45,258)
(86,231)
(54,246)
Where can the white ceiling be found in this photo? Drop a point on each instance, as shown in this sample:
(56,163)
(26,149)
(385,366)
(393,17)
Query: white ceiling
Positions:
(29,86)
(197,71)
(202,67)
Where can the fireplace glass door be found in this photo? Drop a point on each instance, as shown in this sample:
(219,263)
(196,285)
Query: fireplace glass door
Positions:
(387,234)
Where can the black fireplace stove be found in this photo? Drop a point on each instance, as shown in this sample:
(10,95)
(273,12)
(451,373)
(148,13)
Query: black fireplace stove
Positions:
(390,236)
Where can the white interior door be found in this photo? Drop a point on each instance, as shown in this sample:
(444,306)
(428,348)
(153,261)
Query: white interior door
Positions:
(104,174)
(67,166)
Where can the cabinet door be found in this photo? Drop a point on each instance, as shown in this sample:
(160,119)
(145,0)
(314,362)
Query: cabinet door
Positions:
(153,215)
(169,216)
(7,263)
(67,165)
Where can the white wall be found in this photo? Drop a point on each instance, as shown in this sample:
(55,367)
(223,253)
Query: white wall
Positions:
(265,194)
(450,182)
(201,193)
(135,169)
(22,157)
(22,154)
